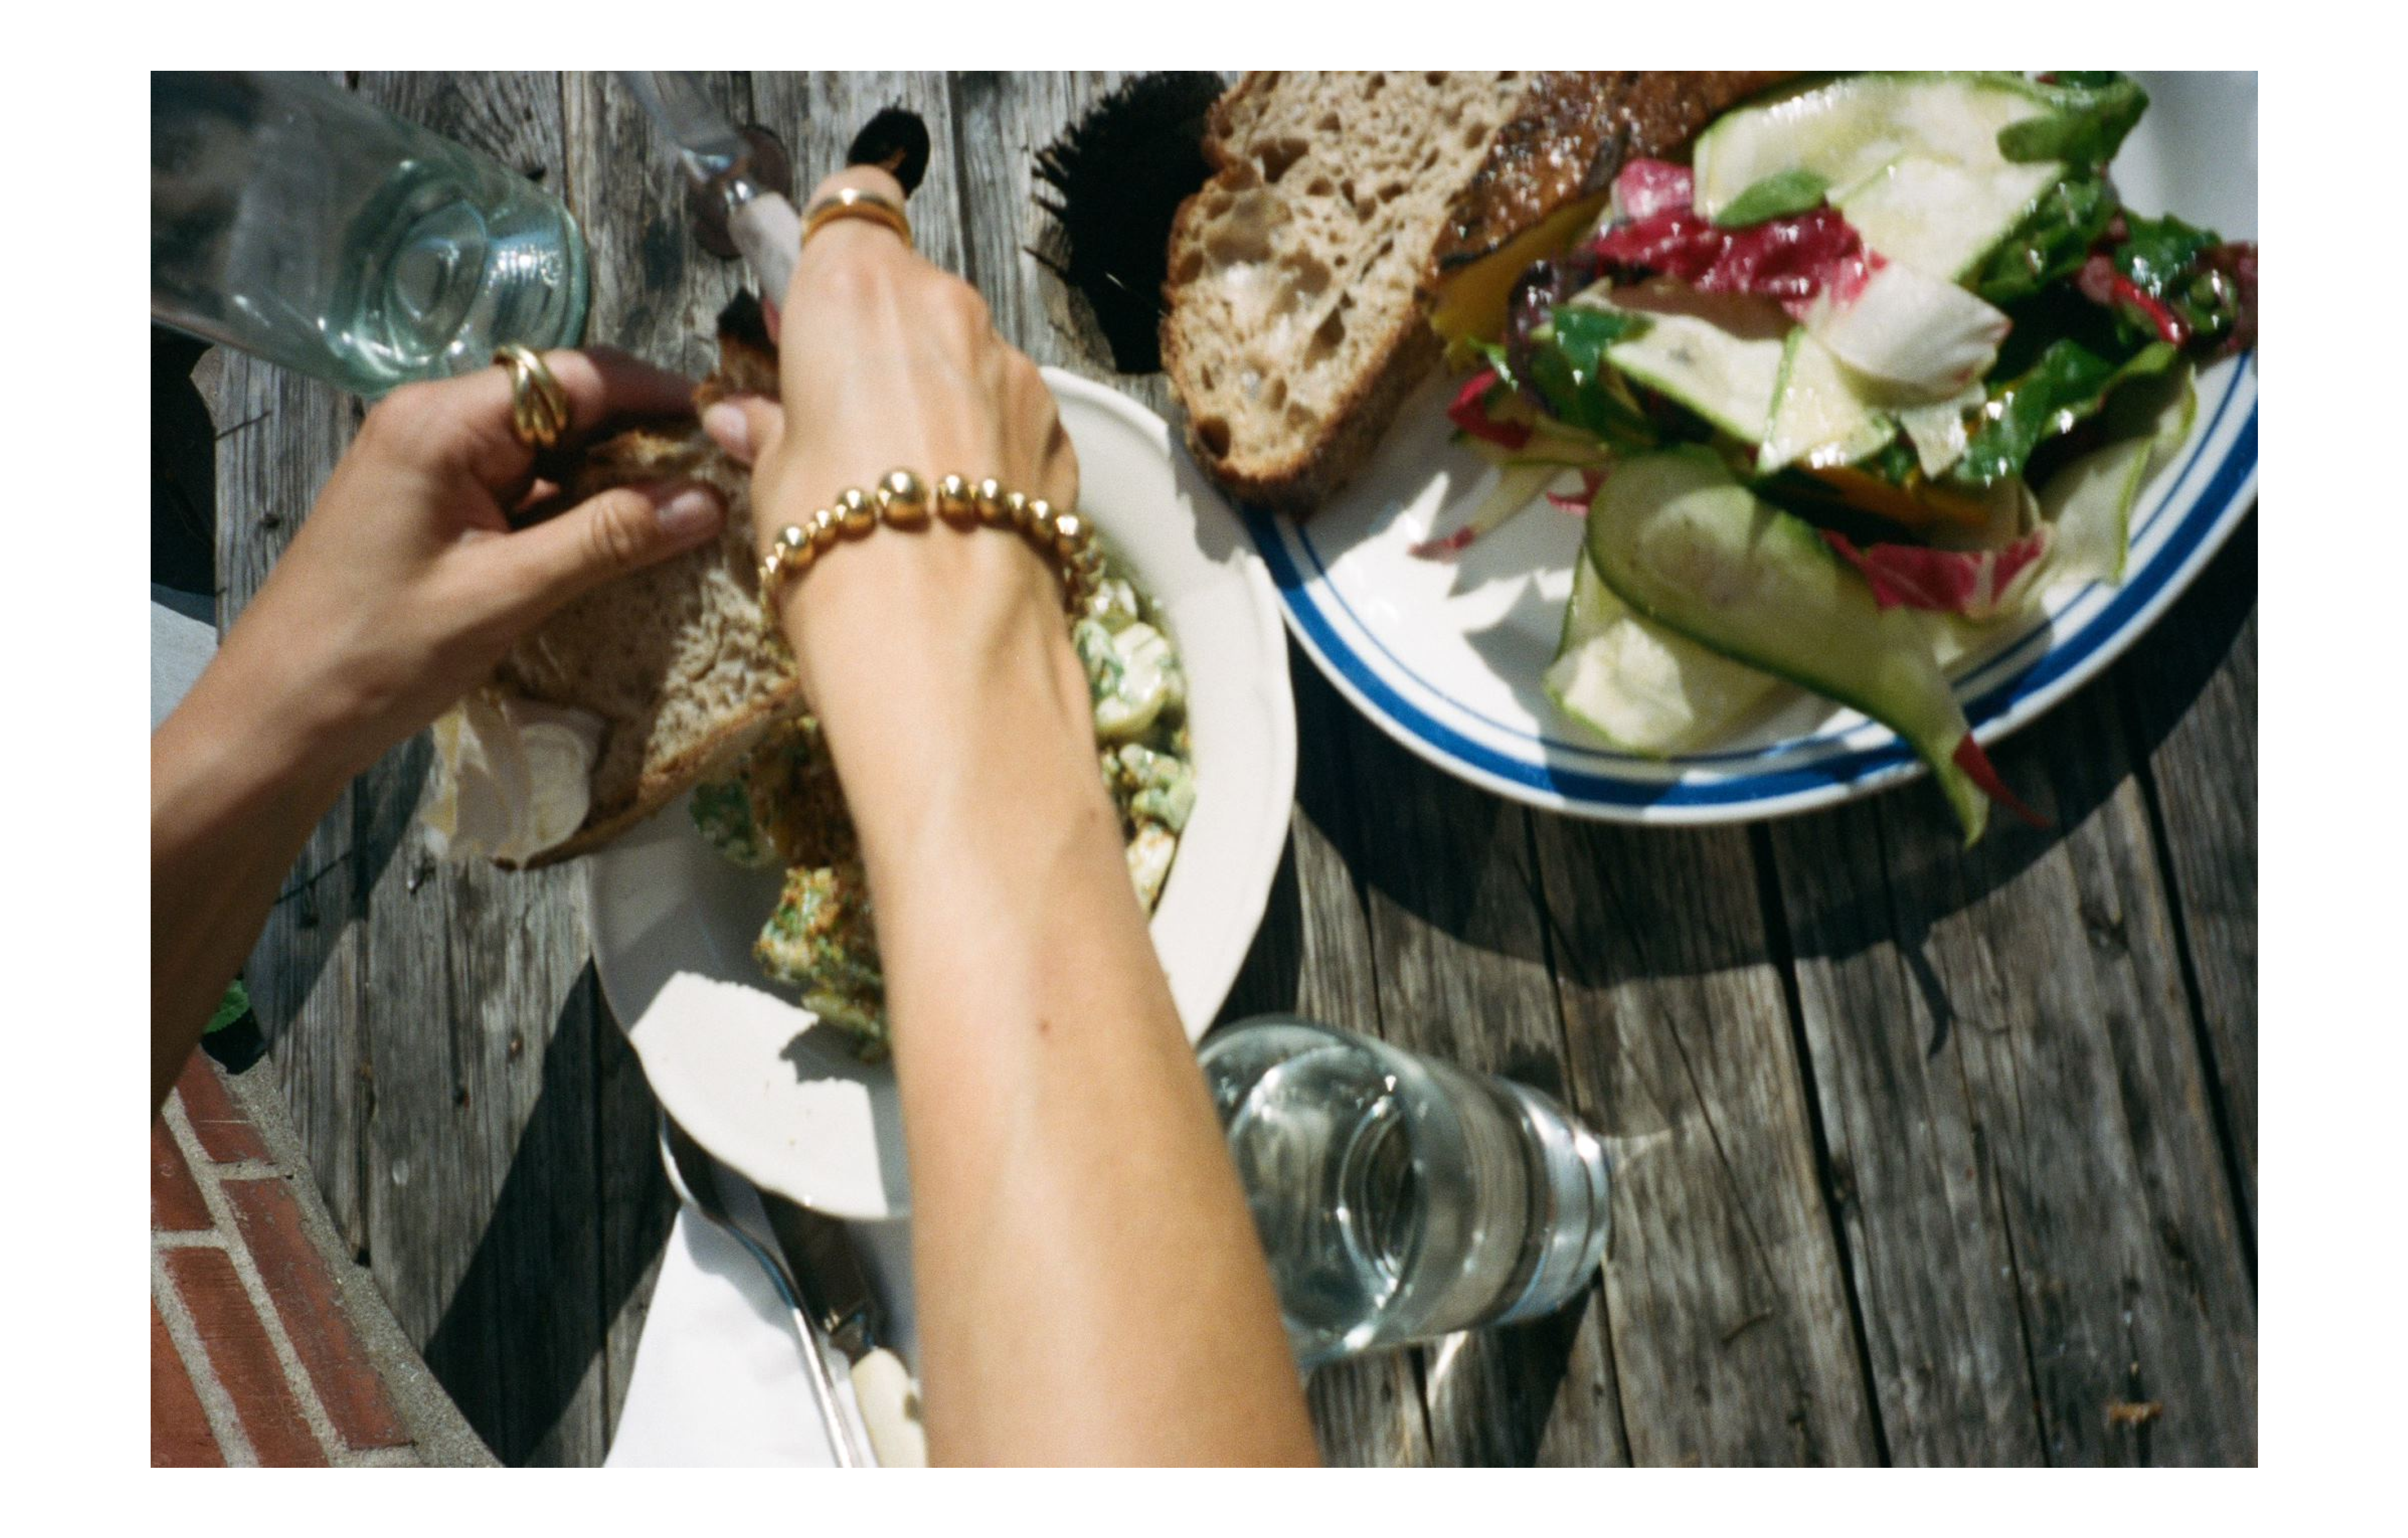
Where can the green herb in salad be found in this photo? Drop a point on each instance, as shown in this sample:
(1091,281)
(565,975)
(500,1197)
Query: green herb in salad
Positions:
(2092,114)
(1569,370)
(1793,191)
(2067,383)
(2052,242)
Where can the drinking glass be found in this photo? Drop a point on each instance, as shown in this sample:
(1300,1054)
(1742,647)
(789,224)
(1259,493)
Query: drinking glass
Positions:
(1399,1198)
(293,221)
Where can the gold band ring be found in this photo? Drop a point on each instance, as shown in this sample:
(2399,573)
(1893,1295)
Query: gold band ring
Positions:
(538,406)
(853,203)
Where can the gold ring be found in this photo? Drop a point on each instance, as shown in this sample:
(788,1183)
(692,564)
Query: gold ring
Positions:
(538,406)
(853,203)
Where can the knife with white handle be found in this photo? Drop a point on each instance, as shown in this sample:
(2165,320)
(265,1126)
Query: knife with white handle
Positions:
(762,223)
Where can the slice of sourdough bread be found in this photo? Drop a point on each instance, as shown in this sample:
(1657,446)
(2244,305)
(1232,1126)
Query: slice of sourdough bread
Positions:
(1345,207)
(673,658)
(1291,330)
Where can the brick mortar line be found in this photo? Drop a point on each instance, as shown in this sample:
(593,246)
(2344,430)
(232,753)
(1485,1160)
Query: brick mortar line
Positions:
(434,1422)
(184,1240)
(244,1169)
(217,1404)
(296,1374)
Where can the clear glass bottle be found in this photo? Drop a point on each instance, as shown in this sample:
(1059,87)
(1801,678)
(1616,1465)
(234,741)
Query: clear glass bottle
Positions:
(293,221)
(1401,1198)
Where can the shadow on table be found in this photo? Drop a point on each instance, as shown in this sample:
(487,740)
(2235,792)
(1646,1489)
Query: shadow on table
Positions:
(326,893)
(584,1206)
(1881,871)
(1454,857)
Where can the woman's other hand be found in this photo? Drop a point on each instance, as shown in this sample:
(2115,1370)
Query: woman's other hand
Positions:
(406,581)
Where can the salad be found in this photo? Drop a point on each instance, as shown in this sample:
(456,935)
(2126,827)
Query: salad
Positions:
(784,808)
(1843,396)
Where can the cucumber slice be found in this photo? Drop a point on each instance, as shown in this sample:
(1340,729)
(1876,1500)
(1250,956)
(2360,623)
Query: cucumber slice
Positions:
(1913,160)
(1937,430)
(1819,417)
(1641,687)
(1688,547)
(2090,502)
(1717,355)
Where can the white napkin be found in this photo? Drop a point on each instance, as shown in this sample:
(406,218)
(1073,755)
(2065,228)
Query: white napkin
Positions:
(719,1377)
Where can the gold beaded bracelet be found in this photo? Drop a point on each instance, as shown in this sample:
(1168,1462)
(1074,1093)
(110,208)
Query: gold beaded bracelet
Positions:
(902,500)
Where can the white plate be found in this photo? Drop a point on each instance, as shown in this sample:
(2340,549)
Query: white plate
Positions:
(782,1099)
(1447,658)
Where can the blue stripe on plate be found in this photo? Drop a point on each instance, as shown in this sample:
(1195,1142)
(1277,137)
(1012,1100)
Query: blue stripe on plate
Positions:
(2212,506)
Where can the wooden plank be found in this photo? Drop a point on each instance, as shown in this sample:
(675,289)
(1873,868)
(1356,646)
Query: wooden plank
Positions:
(481,1153)
(1727,1308)
(2189,690)
(2021,1144)
(656,293)
(1002,122)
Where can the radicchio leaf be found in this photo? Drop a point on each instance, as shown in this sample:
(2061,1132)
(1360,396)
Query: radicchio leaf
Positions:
(1470,411)
(1645,187)
(1978,584)
(1984,775)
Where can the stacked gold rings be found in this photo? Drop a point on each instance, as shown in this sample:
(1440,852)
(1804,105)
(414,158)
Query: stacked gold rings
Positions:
(538,406)
(903,500)
(853,203)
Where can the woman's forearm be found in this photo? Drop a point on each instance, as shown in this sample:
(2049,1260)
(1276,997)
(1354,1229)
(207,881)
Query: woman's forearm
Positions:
(235,792)
(1096,1292)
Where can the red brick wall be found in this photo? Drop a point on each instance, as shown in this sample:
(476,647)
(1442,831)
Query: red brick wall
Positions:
(253,1360)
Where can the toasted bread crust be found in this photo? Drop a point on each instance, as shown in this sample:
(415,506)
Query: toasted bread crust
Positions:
(1573,132)
(1397,353)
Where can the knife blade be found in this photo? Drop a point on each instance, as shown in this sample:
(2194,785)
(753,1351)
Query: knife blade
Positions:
(836,1287)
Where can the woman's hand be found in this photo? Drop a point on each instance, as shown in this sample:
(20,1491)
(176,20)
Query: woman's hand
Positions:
(406,583)
(887,362)
(403,588)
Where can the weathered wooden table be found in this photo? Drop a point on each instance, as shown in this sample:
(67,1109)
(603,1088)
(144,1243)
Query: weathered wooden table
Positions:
(1923,1156)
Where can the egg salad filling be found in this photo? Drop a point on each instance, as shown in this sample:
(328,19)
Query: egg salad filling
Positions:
(783,808)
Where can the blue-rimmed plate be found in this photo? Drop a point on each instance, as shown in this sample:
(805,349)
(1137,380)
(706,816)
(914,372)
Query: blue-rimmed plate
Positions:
(1447,658)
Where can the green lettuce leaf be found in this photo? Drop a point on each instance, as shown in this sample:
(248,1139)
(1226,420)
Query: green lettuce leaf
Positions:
(2160,254)
(1780,194)
(2051,243)
(2089,115)
(2066,383)
(233,1007)
(1567,367)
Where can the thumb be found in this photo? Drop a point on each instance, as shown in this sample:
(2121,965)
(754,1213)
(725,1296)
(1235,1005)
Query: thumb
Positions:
(608,535)
(745,427)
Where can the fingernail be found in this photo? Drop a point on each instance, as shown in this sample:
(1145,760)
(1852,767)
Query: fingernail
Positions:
(725,422)
(690,514)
